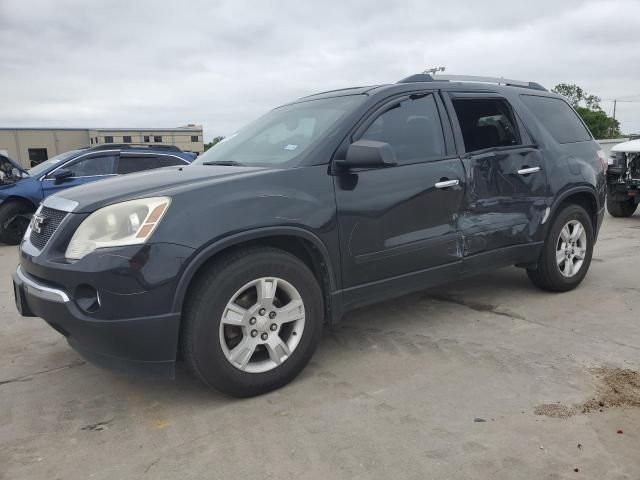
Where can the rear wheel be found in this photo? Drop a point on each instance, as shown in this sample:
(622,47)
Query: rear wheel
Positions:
(14,220)
(624,208)
(252,321)
(566,254)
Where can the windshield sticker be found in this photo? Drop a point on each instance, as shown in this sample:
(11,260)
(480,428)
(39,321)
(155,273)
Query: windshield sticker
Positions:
(291,147)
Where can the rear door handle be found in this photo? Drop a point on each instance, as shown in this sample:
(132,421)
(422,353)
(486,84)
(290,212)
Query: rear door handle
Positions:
(528,170)
(447,183)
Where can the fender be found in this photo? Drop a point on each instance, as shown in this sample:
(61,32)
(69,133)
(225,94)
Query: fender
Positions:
(564,195)
(212,249)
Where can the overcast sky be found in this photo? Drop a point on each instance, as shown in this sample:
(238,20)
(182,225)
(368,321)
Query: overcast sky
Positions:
(221,63)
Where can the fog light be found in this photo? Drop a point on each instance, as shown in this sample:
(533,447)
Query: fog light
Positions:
(87,298)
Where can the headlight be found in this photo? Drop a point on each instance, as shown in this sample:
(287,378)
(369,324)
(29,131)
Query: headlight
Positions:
(126,223)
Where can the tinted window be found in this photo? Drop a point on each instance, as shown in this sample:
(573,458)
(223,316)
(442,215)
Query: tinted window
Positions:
(170,161)
(87,167)
(146,138)
(486,123)
(412,128)
(108,139)
(157,138)
(126,139)
(137,163)
(558,118)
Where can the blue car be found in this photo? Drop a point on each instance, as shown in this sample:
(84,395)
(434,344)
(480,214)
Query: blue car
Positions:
(21,191)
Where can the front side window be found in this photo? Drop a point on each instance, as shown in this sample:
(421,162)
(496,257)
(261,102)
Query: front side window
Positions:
(87,167)
(486,123)
(283,135)
(411,127)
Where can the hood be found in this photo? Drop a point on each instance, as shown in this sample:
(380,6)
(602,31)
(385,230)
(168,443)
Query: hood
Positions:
(632,146)
(164,181)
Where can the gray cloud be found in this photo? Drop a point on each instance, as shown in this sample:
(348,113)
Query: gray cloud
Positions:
(221,63)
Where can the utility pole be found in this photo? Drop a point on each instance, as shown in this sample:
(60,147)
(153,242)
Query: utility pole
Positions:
(614,117)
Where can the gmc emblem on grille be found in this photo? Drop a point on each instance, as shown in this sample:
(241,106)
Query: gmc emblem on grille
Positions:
(37,222)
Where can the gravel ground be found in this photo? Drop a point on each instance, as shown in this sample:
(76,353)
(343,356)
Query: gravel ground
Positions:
(484,378)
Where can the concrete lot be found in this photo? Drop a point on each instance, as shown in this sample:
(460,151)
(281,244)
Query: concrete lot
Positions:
(441,384)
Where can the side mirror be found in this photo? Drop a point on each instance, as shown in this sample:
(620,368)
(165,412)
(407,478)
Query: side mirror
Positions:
(61,175)
(369,154)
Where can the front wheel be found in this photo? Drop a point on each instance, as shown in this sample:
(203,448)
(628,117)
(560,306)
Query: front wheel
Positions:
(14,220)
(625,208)
(252,321)
(566,253)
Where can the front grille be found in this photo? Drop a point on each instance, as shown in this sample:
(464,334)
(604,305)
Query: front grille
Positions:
(51,221)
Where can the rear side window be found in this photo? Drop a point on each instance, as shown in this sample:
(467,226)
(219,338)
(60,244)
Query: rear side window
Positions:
(170,161)
(486,123)
(412,128)
(137,163)
(558,118)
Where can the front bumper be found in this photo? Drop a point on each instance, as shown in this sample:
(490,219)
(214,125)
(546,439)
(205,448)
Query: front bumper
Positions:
(143,345)
(133,328)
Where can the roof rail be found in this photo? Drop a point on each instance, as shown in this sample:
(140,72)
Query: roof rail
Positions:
(422,77)
(135,146)
(418,77)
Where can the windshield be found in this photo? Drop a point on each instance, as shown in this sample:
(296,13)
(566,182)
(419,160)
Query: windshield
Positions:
(52,162)
(280,137)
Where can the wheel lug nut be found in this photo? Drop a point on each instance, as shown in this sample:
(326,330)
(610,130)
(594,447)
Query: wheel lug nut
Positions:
(254,333)
(273,327)
(272,315)
(262,311)
(252,321)
(264,336)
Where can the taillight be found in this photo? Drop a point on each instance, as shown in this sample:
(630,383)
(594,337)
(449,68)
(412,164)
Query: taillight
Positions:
(603,160)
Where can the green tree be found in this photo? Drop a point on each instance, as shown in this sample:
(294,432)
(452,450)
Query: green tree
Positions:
(215,140)
(588,107)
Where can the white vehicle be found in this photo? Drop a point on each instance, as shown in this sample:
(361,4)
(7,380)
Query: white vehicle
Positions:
(623,179)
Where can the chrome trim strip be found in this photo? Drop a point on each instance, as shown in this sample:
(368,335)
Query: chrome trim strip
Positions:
(67,162)
(59,203)
(41,288)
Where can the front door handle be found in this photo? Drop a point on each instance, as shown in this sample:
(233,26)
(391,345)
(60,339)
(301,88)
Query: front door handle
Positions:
(447,183)
(528,170)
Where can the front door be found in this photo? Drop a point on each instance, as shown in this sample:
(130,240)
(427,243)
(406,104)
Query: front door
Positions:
(83,170)
(398,224)
(505,200)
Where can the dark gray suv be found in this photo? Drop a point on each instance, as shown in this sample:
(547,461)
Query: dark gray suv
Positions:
(334,201)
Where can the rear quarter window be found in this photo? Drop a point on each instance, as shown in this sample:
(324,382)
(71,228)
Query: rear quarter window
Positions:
(558,118)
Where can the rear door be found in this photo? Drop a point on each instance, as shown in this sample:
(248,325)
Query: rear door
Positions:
(505,200)
(87,168)
(398,225)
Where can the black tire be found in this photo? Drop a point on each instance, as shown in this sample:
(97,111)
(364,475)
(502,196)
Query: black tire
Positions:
(14,220)
(204,307)
(547,275)
(621,209)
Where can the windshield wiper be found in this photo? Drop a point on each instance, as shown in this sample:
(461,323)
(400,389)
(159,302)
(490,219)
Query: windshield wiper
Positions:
(226,163)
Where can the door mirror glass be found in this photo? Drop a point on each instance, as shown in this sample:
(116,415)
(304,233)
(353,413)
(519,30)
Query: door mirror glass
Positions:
(369,154)
(61,175)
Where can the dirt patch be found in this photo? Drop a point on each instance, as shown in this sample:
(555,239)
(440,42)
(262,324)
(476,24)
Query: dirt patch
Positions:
(616,387)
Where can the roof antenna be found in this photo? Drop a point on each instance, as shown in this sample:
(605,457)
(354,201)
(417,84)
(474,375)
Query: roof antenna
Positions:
(434,70)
